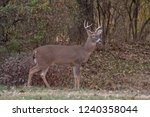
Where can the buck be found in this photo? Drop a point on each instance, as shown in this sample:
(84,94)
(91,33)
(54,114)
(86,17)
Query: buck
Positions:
(76,55)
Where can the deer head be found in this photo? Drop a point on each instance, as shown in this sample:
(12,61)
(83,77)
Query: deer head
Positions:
(94,37)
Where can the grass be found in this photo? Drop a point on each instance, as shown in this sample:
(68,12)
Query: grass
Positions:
(42,93)
(1,87)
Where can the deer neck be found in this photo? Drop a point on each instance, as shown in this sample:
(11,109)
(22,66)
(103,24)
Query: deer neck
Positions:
(89,47)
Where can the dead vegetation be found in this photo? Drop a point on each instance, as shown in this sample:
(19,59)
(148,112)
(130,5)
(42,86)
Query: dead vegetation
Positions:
(125,68)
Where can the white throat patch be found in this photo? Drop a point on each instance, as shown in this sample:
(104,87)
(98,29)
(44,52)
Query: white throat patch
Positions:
(98,40)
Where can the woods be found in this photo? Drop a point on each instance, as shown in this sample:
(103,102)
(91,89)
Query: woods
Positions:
(26,24)
(119,62)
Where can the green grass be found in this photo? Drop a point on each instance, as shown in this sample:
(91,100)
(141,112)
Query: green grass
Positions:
(42,93)
(1,87)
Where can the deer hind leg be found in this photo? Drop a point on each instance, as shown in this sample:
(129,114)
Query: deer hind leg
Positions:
(76,73)
(31,73)
(43,75)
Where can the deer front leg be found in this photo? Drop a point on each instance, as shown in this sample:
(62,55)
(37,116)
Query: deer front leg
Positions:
(43,75)
(76,73)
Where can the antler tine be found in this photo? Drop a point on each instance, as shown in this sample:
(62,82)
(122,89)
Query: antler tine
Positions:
(84,24)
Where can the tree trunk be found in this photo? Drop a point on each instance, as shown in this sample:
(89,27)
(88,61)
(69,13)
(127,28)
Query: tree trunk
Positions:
(77,33)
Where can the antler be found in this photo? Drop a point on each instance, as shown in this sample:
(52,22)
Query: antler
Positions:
(86,25)
(99,27)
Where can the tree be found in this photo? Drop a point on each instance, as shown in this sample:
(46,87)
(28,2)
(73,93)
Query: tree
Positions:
(86,12)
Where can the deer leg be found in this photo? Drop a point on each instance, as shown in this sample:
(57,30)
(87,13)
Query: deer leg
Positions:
(31,73)
(76,73)
(43,75)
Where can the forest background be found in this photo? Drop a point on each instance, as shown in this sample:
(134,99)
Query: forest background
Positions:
(121,62)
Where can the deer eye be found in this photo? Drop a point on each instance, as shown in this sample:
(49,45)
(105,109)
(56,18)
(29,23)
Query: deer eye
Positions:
(93,36)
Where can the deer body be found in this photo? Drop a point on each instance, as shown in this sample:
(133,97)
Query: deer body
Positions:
(60,55)
(47,55)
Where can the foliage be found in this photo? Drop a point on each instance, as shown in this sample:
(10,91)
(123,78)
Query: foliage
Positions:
(13,46)
(33,22)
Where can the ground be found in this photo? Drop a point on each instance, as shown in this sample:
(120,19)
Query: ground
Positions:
(42,93)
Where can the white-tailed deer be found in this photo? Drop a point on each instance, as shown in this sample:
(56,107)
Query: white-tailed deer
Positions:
(47,55)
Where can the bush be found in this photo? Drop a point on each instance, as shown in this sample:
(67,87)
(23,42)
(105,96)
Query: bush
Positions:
(13,46)
(14,70)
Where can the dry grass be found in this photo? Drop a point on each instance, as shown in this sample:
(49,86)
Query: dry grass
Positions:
(42,93)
